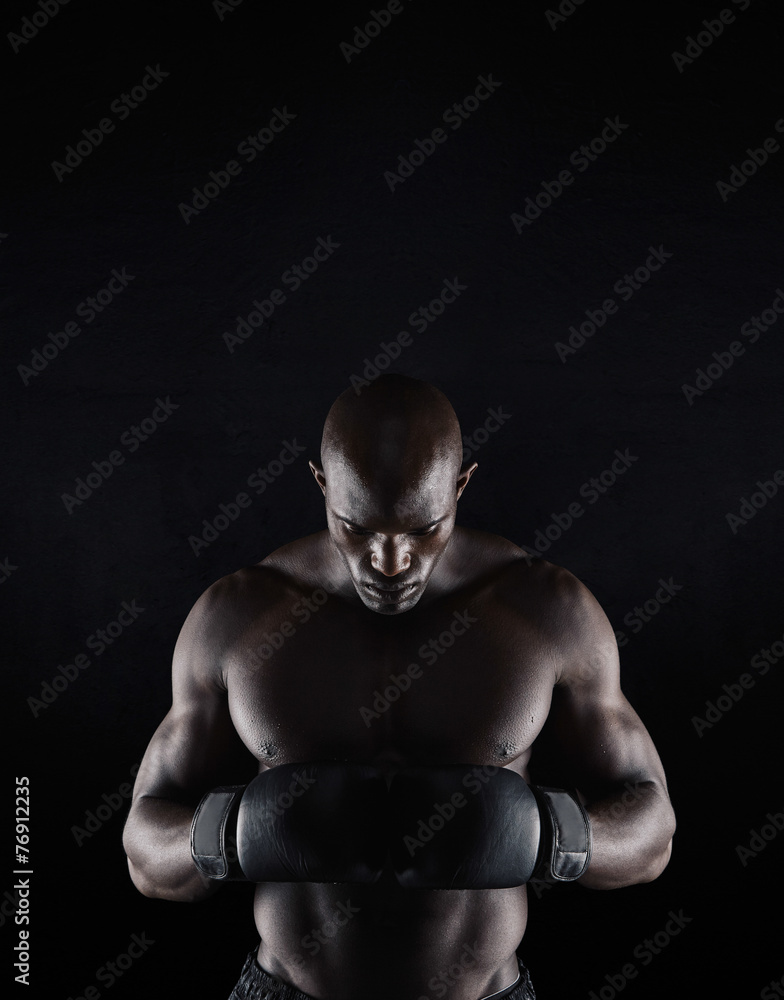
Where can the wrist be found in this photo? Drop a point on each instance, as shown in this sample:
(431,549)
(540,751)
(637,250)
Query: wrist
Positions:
(213,837)
(566,837)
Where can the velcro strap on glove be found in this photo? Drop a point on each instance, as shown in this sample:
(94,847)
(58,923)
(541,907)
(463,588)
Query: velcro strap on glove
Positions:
(565,845)
(214,834)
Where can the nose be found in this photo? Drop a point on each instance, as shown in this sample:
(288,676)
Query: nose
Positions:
(391,558)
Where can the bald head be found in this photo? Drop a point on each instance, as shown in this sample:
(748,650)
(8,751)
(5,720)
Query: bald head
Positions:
(394,430)
(391,473)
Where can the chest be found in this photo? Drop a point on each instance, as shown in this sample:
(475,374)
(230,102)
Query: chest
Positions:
(452,683)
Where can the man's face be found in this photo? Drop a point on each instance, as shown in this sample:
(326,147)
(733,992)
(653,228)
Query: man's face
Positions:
(390,534)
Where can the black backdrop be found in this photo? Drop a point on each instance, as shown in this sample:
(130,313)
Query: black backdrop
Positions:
(73,554)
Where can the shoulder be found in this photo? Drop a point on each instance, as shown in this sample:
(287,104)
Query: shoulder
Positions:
(279,579)
(301,562)
(582,639)
(483,555)
(560,598)
(233,596)
(518,573)
(521,576)
(229,604)
(569,621)
(222,613)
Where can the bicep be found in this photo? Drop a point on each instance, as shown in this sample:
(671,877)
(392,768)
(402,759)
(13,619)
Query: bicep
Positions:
(600,737)
(196,746)
(602,741)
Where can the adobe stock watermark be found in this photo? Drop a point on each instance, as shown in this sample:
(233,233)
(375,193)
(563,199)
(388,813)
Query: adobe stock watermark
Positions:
(110,972)
(445,979)
(293,277)
(273,810)
(121,106)
(443,812)
(624,287)
(581,158)
(420,320)
(732,693)
(12,906)
(642,614)
(6,569)
(644,952)
(32,24)
(429,651)
(249,148)
(591,490)
(326,932)
(224,7)
(259,480)
(629,797)
(283,801)
(565,10)
(750,506)
(86,310)
(495,420)
(272,641)
(756,158)
(454,116)
(103,811)
(712,28)
(98,642)
(132,439)
(372,28)
(705,378)
(759,839)
(774,990)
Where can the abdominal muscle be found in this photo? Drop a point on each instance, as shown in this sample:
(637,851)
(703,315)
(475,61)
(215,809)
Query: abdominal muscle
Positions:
(341,941)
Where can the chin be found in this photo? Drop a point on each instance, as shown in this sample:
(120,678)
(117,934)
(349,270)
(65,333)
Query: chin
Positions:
(389,609)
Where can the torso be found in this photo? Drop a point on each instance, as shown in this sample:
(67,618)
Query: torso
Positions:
(482,697)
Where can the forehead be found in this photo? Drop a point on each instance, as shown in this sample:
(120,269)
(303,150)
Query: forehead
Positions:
(422,494)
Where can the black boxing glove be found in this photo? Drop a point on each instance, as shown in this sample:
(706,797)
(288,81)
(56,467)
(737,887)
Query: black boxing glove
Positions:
(472,827)
(314,822)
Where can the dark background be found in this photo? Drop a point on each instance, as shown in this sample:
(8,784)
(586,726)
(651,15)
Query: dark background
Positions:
(494,347)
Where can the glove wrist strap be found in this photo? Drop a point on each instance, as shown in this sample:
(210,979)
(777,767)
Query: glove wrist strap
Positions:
(565,846)
(214,834)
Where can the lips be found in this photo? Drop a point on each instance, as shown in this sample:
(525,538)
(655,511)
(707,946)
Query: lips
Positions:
(390,595)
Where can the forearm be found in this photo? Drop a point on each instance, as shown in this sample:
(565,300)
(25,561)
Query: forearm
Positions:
(157,842)
(631,834)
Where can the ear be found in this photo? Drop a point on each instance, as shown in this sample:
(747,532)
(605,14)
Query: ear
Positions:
(465,474)
(318,474)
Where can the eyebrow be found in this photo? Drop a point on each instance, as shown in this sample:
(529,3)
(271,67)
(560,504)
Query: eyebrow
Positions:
(363,528)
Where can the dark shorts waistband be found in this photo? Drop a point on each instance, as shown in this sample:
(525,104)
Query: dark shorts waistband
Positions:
(256,983)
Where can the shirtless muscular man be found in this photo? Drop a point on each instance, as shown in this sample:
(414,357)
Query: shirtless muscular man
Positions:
(367,764)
